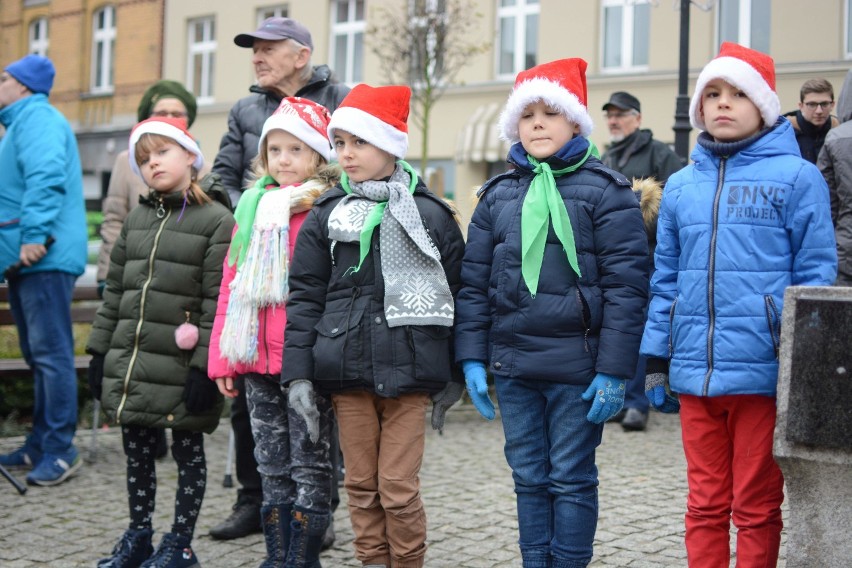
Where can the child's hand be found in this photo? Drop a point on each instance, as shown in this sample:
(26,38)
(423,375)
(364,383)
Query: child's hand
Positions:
(657,395)
(442,401)
(199,392)
(226,386)
(477,387)
(608,394)
(301,400)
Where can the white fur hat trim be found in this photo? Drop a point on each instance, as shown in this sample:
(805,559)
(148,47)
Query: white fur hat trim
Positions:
(550,92)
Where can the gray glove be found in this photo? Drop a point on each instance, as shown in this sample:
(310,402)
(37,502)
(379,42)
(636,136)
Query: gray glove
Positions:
(657,393)
(442,401)
(301,400)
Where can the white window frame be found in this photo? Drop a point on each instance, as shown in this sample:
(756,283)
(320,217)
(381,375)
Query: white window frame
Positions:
(38,38)
(743,25)
(102,71)
(431,6)
(518,12)
(277,11)
(628,20)
(206,48)
(354,31)
(847,29)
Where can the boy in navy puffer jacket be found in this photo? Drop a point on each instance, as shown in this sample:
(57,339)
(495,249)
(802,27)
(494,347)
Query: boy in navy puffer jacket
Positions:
(747,219)
(554,285)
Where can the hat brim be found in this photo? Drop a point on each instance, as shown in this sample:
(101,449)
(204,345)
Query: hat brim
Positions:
(247,40)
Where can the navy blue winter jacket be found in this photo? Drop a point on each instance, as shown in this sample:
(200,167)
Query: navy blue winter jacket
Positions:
(574,327)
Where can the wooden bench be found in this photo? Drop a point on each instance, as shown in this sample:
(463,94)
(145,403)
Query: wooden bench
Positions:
(84,305)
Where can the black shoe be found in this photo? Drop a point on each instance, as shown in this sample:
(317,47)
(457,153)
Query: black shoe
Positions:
(243,521)
(619,416)
(634,420)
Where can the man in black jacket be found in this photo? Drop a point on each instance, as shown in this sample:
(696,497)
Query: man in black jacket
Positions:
(813,120)
(282,63)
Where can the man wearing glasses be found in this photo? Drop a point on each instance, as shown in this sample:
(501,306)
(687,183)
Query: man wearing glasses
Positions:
(813,120)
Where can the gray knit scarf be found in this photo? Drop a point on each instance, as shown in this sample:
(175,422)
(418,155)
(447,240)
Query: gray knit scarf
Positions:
(416,289)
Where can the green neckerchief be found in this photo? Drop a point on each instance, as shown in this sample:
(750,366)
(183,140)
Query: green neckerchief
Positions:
(543,203)
(374,218)
(244,215)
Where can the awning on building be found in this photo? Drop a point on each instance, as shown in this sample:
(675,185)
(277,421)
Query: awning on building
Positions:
(479,139)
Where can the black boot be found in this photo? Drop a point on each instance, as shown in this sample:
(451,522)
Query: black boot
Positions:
(276,532)
(306,531)
(132,549)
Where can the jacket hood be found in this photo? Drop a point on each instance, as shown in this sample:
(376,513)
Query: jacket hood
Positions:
(844,101)
(650,193)
(779,140)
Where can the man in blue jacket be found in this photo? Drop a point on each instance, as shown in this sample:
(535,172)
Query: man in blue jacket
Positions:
(42,251)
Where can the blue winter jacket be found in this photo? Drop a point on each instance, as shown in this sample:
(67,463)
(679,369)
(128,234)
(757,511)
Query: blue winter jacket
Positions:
(574,327)
(732,234)
(41,187)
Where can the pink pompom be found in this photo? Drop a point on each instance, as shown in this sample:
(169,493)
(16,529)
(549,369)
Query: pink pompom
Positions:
(186,336)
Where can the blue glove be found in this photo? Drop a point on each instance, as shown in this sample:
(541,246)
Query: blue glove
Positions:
(608,394)
(658,396)
(477,387)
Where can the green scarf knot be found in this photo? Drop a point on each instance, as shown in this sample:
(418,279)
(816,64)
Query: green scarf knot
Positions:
(244,216)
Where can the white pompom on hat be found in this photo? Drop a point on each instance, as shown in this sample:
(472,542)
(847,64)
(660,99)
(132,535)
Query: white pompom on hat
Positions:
(751,71)
(560,84)
(378,115)
(304,119)
(170,127)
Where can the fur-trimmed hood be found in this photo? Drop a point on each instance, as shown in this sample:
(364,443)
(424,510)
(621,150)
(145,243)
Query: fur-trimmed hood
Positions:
(650,193)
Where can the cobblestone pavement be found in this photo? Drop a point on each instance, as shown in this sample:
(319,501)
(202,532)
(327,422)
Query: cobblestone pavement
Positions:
(467,489)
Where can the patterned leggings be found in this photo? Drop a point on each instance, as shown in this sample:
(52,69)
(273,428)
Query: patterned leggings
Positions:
(188,451)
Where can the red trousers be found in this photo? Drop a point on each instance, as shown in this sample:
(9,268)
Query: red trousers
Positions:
(732,475)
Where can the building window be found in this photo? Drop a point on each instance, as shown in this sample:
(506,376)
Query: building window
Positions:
(201,64)
(745,22)
(518,41)
(279,11)
(103,50)
(347,39)
(848,29)
(38,39)
(626,34)
(428,21)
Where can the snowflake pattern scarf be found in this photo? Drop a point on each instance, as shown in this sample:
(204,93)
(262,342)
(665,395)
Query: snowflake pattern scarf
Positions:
(416,289)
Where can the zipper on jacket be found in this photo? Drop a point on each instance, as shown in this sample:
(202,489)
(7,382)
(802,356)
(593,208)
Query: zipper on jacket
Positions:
(266,339)
(584,308)
(771,318)
(130,365)
(671,328)
(711,276)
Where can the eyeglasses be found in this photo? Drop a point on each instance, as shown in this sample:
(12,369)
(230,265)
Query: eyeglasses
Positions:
(824,105)
(173,114)
(619,115)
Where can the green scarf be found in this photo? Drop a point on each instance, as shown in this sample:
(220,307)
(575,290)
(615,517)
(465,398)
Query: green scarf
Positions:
(244,215)
(542,204)
(374,218)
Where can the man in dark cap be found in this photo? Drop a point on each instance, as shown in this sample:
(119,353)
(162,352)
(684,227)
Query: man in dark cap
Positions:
(42,252)
(634,152)
(281,57)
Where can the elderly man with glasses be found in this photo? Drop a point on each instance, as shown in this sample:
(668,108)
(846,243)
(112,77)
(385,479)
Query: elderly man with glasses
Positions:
(813,120)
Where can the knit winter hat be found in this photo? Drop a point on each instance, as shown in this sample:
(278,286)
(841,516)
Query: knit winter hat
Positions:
(34,72)
(561,84)
(174,128)
(166,89)
(304,119)
(746,69)
(378,115)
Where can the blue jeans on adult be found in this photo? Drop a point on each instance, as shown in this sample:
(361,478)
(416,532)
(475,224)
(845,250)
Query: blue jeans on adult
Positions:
(550,447)
(41,306)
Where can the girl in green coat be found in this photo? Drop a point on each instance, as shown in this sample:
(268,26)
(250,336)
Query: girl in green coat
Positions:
(149,340)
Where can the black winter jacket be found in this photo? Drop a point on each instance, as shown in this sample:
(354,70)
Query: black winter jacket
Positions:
(245,123)
(336,331)
(640,156)
(574,327)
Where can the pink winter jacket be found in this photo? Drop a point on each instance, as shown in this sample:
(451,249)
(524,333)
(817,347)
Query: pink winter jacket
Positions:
(272,320)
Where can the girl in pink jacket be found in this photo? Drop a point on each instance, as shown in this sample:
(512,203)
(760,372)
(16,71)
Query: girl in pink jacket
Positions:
(248,333)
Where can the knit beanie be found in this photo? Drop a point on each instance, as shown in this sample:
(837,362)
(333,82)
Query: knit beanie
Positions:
(166,89)
(174,128)
(34,72)
(560,84)
(378,115)
(751,71)
(304,119)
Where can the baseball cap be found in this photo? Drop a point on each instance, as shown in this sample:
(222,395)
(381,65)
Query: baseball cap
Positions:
(277,29)
(624,101)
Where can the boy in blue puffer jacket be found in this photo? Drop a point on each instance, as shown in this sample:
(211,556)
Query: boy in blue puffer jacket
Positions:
(554,285)
(747,219)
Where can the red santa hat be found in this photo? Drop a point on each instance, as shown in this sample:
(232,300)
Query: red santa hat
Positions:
(174,128)
(751,71)
(378,115)
(304,119)
(560,84)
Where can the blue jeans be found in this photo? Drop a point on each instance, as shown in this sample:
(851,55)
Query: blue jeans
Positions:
(550,447)
(635,395)
(41,305)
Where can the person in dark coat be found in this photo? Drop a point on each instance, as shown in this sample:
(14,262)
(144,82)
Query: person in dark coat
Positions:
(554,286)
(370,320)
(813,120)
(281,58)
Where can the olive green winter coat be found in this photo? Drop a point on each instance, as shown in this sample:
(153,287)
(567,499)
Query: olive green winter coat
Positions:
(165,269)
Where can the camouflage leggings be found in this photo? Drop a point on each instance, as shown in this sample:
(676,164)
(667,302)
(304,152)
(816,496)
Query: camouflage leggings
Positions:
(292,469)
